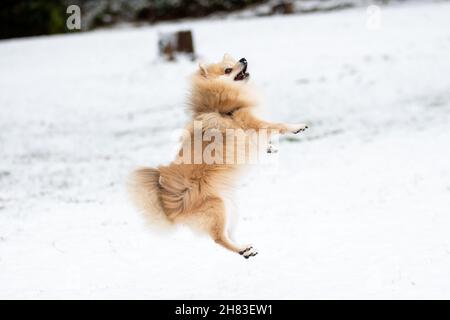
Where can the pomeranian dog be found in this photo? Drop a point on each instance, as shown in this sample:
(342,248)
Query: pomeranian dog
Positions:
(195,188)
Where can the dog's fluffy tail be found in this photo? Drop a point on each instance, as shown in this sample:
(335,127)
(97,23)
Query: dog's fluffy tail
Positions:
(144,191)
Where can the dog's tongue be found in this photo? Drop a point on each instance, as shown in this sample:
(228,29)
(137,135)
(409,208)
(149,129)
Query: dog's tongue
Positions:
(241,75)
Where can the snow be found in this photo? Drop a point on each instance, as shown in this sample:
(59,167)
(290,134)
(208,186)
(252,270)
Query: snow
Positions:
(356,207)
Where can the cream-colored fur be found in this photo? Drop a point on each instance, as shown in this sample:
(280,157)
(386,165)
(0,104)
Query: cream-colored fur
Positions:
(193,194)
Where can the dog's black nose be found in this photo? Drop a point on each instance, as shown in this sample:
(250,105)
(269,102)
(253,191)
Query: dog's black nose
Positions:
(243,61)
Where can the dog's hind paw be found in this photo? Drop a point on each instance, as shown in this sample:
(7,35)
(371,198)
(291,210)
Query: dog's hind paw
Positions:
(298,128)
(271,149)
(248,252)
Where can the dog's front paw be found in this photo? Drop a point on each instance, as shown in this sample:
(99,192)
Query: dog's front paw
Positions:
(248,252)
(296,128)
(271,149)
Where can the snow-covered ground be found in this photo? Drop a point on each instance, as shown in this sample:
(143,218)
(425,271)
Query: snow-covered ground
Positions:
(359,205)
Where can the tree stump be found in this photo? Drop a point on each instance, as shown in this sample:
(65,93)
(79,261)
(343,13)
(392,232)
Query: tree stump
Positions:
(284,7)
(172,43)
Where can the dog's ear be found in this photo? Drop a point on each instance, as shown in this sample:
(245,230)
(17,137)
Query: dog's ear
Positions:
(203,70)
(227,57)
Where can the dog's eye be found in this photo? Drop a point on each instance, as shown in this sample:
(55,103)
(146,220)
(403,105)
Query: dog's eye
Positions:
(228,70)
(230,113)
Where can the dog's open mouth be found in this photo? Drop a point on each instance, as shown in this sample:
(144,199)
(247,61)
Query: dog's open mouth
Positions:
(243,74)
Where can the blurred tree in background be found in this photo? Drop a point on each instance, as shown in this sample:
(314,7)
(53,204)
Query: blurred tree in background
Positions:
(165,9)
(19,18)
(158,10)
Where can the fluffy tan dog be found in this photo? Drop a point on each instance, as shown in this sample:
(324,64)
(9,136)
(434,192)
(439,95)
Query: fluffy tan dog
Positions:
(194,188)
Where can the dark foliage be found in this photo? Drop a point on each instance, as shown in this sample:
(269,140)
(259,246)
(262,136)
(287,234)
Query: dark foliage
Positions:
(21,18)
(166,10)
(159,10)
